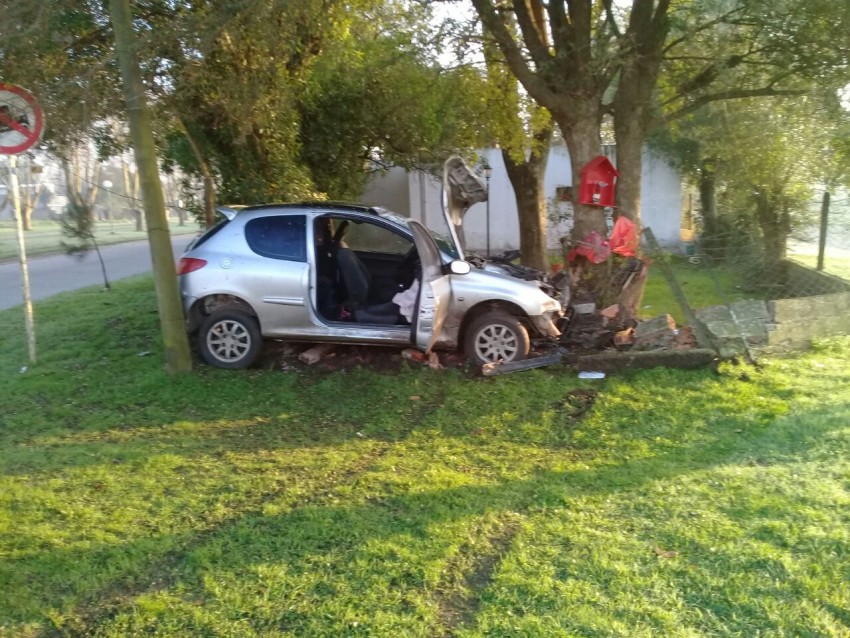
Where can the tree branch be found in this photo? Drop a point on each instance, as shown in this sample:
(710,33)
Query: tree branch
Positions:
(734,94)
(533,32)
(609,13)
(702,27)
(496,25)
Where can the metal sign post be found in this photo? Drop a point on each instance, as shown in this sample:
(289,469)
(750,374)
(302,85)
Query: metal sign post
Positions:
(22,252)
(21,127)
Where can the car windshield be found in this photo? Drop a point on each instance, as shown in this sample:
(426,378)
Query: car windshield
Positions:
(445,245)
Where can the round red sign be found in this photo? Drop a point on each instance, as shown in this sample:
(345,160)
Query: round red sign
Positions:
(21,120)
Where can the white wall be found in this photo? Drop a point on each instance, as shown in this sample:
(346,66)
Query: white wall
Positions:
(389,190)
(661,200)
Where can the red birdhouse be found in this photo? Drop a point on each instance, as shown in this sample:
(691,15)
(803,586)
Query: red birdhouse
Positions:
(598,178)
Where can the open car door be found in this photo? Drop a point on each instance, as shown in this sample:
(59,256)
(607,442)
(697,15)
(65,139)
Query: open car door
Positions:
(434,290)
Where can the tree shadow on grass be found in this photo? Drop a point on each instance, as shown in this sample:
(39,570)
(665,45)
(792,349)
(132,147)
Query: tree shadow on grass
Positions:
(328,535)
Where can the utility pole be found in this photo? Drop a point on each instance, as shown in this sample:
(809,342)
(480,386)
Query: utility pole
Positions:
(22,252)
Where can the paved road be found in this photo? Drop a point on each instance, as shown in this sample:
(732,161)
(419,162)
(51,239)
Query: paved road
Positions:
(59,273)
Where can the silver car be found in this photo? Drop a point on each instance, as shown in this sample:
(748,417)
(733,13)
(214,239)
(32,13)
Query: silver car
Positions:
(356,275)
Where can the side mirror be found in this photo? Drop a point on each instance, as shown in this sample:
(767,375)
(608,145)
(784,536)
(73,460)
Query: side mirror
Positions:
(459,267)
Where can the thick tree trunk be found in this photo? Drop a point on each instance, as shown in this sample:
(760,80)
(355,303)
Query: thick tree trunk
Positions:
(629,135)
(774,222)
(583,143)
(527,181)
(177,354)
(645,37)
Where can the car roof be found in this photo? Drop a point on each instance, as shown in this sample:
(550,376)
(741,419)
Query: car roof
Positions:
(342,207)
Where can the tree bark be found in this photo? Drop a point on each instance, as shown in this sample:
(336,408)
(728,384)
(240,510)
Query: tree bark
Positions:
(712,241)
(206,172)
(774,222)
(643,53)
(177,354)
(527,181)
(583,143)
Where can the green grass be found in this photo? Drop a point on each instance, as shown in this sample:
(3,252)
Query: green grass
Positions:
(838,266)
(46,237)
(702,287)
(411,502)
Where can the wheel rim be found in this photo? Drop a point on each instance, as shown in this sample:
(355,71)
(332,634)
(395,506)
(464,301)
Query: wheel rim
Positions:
(228,340)
(496,343)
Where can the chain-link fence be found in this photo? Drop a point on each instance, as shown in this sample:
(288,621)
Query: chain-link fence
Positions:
(749,299)
(741,265)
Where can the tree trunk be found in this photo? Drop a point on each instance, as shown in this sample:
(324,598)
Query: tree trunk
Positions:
(527,181)
(583,143)
(708,199)
(26,217)
(712,241)
(773,221)
(206,172)
(177,354)
(629,136)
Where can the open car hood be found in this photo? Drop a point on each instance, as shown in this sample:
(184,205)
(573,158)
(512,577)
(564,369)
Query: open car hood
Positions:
(461,189)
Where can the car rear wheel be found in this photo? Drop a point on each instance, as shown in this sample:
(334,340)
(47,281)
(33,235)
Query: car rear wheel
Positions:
(230,339)
(496,336)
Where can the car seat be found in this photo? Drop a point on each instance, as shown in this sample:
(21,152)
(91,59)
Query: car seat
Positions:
(357,280)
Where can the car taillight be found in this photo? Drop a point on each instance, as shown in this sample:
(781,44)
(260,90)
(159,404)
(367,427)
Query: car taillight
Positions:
(189,264)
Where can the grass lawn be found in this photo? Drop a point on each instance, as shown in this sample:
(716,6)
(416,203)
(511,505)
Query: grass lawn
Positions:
(411,502)
(46,237)
(838,266)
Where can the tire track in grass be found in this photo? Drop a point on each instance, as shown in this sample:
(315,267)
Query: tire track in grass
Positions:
(162,575)
(469,573)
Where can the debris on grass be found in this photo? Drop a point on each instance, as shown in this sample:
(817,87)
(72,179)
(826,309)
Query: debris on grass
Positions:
(316,353)
(591,374)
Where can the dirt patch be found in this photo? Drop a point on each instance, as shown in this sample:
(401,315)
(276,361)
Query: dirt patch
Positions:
(283,356)
(577,403)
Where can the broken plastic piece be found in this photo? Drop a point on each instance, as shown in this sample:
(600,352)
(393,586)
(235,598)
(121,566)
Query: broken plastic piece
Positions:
(594,247)
(591,375)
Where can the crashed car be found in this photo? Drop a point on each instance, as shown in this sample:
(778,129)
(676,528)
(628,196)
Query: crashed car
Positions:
(355,275)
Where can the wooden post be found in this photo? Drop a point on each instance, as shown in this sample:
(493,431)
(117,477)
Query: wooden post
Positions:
(824,223)
(700,333)
(22,252)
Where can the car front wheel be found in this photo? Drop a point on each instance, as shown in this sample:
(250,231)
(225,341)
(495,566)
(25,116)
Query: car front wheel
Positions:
(496,336)
(230,339)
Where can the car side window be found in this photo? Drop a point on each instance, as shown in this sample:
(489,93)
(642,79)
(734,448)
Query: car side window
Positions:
(368,237)
(279,237)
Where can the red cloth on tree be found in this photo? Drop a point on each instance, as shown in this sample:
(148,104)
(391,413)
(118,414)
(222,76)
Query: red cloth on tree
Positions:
(624,237)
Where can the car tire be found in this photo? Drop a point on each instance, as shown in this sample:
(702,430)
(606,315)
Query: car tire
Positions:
(496,336)
(230,339)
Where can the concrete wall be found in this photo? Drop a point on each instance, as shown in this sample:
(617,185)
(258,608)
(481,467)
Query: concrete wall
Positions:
(662,200)
(781,325)
(796,322)
(390,190)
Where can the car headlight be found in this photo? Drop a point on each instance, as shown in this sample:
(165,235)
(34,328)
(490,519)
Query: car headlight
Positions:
(549,305)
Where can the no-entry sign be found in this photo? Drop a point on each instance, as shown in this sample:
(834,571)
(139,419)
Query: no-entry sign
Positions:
(21,120)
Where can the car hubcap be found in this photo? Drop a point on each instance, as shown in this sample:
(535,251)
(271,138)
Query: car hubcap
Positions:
(496,343)
(228,340)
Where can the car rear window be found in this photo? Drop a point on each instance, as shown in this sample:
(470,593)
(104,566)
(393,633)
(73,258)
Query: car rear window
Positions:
(278,237)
